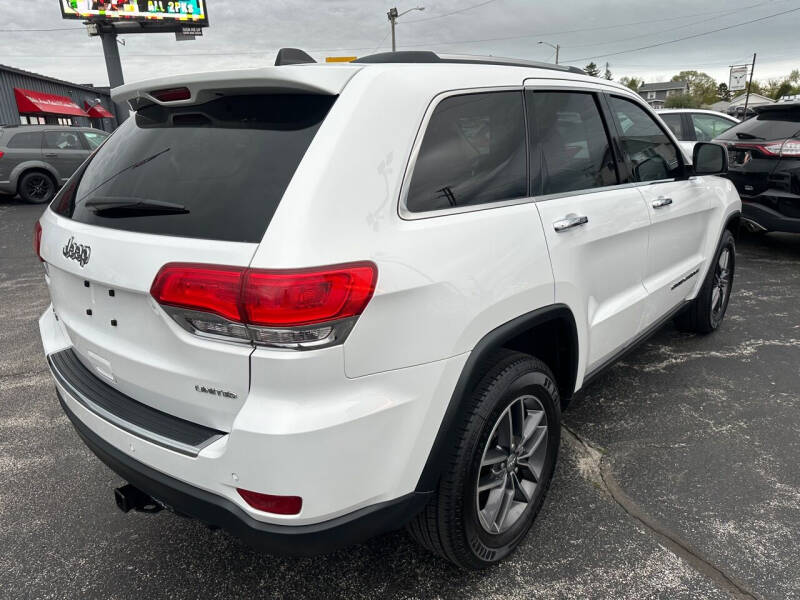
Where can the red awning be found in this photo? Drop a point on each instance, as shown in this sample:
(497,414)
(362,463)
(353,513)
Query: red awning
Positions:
(30,102)
(98,111)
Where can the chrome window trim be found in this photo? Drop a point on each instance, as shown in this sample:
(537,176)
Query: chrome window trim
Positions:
(580,87)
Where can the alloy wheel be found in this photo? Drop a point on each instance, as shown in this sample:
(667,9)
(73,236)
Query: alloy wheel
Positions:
(512,464)
(721,285)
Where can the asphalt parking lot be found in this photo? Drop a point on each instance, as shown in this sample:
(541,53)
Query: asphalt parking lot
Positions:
(678,477)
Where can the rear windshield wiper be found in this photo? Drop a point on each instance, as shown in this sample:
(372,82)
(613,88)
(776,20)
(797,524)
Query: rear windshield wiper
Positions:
(748,136)
(122,205)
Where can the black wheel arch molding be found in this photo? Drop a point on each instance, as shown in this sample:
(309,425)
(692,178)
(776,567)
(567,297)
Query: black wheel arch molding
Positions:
(500,337)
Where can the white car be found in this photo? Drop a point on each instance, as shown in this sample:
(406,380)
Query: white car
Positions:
(311,303)
(692,125)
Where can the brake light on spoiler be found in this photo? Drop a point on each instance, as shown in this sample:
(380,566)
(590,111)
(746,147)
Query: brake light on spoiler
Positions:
(299,309)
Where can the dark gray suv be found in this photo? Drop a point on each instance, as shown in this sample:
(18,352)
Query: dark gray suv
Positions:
(35,160)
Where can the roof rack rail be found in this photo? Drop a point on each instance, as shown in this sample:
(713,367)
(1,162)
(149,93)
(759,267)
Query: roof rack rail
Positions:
(426,56)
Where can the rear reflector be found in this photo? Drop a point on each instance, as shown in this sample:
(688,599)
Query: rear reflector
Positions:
(171,94)
(287,308)
(279,505)
(37,240)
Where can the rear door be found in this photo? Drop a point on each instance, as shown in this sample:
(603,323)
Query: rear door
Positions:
(65,151)
(19,148)
(679,207)
(197,184)
(596,229)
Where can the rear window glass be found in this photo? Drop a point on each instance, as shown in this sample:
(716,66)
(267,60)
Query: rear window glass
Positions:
(31,139)
(214,171)
(94,139)
(769,125)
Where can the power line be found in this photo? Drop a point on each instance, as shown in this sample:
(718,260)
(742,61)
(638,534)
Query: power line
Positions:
(688,37)
(455,12)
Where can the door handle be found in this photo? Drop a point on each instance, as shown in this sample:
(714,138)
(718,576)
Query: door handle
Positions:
(51,155)
(569,222)
(661,202)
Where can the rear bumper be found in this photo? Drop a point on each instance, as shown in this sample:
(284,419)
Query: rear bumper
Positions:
(218,511)
(768,218)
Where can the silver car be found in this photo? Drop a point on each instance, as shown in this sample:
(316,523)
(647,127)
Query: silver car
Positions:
(36,160)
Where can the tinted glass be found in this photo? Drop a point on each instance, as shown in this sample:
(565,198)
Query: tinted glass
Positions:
(707,127)
(569,144)
(94,139)
(216,170)
(63,140)
(673,121)
(473,152)
(31,139)
(769,125)
(651,153)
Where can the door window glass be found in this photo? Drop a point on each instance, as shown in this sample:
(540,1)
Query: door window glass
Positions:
(708,127)
(651,153)
(94,139)
(473,153)
(673,121)
(62,140)
(569,145)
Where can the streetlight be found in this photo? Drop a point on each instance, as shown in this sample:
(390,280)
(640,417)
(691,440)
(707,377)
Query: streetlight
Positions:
(555,47)
(394,15)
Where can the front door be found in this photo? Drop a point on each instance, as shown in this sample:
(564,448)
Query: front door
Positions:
(679,207)
(596,230)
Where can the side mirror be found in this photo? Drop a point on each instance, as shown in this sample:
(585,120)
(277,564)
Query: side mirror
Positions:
(709,159)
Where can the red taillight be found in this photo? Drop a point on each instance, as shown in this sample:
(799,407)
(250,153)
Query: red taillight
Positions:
(172,94)
(37,239)
(207,288)
(1,154)
(788,147)
(284,299)
(279,505)
(288,308)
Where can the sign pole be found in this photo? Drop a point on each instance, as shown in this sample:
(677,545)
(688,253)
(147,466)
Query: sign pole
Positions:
(114,69)
(749,85)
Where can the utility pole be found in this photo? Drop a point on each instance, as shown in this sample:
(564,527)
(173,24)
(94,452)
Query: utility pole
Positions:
(556,47)
(749,85)
(393,16)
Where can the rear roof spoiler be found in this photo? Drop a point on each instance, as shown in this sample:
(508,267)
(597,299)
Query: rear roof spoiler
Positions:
(203,87)
(292,56)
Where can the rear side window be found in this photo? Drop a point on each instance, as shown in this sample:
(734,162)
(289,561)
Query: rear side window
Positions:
(674,122)
(651,153)
(569,145)
(214,171)
(31,139)
(707,127)
(93,140)
(768,125)
(63,140)
(473,152)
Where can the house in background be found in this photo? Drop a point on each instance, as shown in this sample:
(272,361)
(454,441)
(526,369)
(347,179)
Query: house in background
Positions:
(656,94)
(736,107)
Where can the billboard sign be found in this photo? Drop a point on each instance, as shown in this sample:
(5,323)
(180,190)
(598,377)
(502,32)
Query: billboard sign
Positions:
(188,12)
(738,79)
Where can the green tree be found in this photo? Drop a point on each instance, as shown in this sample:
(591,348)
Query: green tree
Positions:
(681,101)
(632,83)
(702,86)
(783,89)
(607,74)
(723,93)
(591,69)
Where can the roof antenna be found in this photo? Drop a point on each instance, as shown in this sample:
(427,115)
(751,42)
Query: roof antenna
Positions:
(292,56)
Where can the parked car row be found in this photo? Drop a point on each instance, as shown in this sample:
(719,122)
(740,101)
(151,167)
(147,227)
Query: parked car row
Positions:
(36,160)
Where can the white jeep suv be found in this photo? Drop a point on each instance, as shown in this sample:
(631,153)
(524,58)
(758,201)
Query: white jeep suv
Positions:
(312,303)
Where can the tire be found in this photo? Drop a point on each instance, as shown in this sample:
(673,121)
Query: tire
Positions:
(36,187)
(705,313)
(519,392)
